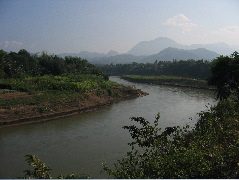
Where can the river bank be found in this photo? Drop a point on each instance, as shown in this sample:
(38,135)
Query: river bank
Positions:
(169,81)
(23,113)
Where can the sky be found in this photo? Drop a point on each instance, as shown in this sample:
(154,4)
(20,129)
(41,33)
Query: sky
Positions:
(71,26)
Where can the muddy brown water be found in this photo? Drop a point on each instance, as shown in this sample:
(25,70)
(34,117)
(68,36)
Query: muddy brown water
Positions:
(81,143)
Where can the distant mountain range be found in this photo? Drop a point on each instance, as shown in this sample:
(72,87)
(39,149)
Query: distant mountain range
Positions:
(161,49)
(89,55)
(167,54)
(170,54)
(153,47)
(159,44)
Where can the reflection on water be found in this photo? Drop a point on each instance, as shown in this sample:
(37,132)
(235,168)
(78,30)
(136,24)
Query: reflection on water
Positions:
(80,143)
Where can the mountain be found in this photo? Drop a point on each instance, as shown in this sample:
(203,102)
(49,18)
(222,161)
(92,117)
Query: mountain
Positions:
(83,54)
(112,53)
(220,48)
(161,49)
(161,43)
(170,54)
(153,46)
(118,59)
(235,48)
(167,54)
(89,55)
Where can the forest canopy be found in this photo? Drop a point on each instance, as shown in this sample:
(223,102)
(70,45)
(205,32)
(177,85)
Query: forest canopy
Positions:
(199,69)
(24,64)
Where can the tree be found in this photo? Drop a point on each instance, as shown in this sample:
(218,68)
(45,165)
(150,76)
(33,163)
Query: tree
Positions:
(225,76)
(52,64)
(41,171)
(210,150)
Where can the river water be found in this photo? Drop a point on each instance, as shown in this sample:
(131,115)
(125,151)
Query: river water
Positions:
(81,143)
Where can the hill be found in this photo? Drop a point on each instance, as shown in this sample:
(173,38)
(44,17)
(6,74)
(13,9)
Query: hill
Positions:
(89,55)
(220,47)
(118,59)
(161,43)
(170,54)
(153,46)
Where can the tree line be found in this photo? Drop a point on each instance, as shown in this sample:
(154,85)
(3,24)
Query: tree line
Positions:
(199,69)
(23,64)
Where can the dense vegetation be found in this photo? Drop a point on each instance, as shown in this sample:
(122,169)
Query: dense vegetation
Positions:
(225,76)
(41,171)
(23,64)
(209,150)
(191,69)
(37,86)
(30,73)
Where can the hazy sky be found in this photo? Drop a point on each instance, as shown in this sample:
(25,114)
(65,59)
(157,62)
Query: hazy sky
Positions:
(58,26)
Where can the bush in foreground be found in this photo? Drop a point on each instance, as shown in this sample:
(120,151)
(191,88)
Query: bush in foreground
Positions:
(210,150)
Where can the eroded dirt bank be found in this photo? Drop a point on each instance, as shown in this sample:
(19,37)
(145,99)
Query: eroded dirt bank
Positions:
(22,114)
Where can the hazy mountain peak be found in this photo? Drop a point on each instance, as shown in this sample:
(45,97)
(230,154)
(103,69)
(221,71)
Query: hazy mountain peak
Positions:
(153,46)
(83,54)
(219,47)
(112,53)
(169,54)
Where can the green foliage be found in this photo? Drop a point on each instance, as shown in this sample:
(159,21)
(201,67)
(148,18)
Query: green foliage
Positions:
(191,69)
(33,73)
(5,91)
(225,76)
(50,97)
(50,81)
(80,83)
(210,150)
(41,171)
(22,64)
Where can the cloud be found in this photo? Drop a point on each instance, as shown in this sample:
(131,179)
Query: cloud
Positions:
(229,30)
(228,34)
(182,22)
(10,45)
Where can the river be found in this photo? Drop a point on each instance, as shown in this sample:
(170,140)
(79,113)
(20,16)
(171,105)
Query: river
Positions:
(80,143)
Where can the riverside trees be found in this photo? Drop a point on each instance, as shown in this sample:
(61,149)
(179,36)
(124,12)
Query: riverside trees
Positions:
(225,76)
(190,68)
(23,64)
